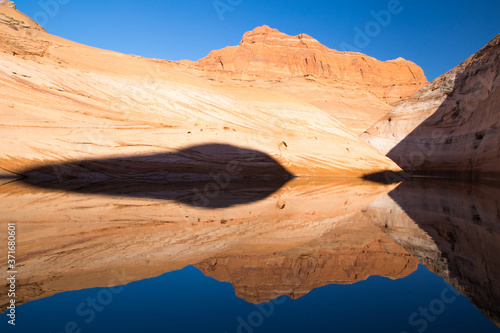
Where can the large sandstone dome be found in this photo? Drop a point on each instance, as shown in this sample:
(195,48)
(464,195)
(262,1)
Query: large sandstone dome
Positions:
(62,103)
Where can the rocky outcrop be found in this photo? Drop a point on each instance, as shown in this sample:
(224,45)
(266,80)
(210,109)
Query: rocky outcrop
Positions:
(8,3)
(15,19)
(19,33)
(65,102)
(268,53)
(451,124)
(354,88)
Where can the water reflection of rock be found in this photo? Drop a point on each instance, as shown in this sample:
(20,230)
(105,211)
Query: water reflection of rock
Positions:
(307,233)
(454,229)
(353,251)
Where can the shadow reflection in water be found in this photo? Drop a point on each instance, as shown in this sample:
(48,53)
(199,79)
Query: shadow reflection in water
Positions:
(208,194)
(453,228)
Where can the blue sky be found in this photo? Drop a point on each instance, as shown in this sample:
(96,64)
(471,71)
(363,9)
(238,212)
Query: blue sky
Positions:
(437,35)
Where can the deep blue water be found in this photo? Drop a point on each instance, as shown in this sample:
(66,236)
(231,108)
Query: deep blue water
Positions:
(188,301)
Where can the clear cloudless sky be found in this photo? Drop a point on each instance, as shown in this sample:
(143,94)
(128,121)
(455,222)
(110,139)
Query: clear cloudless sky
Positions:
(435,34)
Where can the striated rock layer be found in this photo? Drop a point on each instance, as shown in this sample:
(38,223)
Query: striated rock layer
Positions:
(450,125)
(8,3)
(352,87)
(268,53)
(65,102)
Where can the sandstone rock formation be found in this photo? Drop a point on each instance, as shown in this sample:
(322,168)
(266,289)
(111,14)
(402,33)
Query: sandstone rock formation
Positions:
(65,106)
(451,124)
(268,53)
(352,87)
(25,40)
(65,102)
(8,3)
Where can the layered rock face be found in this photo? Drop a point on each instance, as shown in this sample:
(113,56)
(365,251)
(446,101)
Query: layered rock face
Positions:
(65,102)
(268,53)
(22,36)
(8,3)
(451,124)
(352,87)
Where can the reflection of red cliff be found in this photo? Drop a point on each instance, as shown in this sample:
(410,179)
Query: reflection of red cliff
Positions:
(350,253)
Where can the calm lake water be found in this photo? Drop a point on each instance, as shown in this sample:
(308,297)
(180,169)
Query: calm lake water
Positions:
(301,256)
(188,301)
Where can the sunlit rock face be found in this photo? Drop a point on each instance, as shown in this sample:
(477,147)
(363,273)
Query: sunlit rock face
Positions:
(266,52)
(451,124)
(352,87)
(453,228)
(8,3)
(63,102)
(102,135)
(19,33)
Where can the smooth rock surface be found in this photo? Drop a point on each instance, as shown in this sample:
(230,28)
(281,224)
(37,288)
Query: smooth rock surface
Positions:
(65,102)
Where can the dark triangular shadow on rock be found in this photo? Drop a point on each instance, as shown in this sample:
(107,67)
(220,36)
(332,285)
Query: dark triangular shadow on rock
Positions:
(211,176)
(462,135)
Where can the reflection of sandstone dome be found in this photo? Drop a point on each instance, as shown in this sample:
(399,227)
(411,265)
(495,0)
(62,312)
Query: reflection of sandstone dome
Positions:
(347,254)
(101,240)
